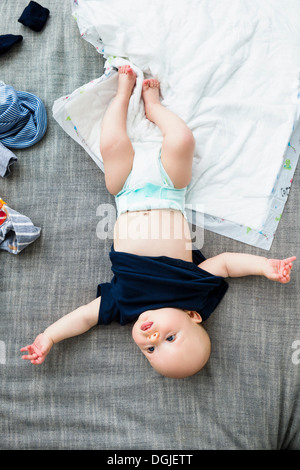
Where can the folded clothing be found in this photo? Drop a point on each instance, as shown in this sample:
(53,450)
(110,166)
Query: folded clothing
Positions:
(34,16)
(16,230)
(7,158)
(23,118)
(8,40)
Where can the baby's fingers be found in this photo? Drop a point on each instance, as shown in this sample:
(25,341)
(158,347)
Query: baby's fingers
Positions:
(284,275)
(30,357)
(285,279)
(39,360)
(31,354)
(289,261)
(26,348)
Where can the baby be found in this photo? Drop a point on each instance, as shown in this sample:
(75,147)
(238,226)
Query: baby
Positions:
(160,282)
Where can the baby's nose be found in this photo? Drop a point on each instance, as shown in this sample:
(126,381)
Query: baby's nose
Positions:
(154,336)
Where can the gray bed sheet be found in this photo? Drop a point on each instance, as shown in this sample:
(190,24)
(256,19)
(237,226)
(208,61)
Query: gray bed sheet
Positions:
(96,391)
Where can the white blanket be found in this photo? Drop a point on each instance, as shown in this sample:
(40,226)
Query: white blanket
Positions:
(230,69)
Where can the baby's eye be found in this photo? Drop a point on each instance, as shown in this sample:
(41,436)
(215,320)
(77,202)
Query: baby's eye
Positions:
(151,349)
(171,338)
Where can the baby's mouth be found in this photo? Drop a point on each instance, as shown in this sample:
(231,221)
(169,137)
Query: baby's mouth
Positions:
(146,325)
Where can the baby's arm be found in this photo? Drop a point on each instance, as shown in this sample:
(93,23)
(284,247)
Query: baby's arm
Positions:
(240,264)
(75,323)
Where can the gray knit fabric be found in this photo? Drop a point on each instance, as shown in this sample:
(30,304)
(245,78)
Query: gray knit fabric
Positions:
(97,391)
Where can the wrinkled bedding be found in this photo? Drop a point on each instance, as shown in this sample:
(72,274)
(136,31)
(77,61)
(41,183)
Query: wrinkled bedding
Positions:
(230,69)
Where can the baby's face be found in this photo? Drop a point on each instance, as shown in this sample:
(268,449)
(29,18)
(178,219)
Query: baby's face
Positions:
(172,340)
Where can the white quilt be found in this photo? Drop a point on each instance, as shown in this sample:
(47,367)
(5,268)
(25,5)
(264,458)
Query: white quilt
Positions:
(230,69)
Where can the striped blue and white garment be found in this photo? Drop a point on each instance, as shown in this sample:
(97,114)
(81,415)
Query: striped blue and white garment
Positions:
(16,230)
(7,158)
(23,117)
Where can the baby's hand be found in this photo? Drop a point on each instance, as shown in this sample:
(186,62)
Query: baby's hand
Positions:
(38,350)
(279,270)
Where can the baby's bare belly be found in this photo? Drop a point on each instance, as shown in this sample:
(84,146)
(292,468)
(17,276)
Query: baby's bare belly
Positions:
(159,232)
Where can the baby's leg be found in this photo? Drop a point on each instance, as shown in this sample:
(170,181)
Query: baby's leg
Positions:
(178,141)
(115,146)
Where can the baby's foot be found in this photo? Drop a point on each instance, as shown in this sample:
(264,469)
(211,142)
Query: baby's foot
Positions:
(127,79)
(150,94)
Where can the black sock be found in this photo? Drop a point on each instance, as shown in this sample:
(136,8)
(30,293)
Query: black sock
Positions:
(34,16)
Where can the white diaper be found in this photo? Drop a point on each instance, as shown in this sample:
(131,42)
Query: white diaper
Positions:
(148,185)
(147,167)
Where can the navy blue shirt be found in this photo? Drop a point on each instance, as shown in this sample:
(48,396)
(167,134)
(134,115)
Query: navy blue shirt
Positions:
(143,283)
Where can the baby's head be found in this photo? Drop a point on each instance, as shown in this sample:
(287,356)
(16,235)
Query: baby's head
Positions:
(173,341)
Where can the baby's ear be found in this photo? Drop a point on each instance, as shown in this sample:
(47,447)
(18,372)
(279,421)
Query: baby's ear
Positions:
(195,316)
